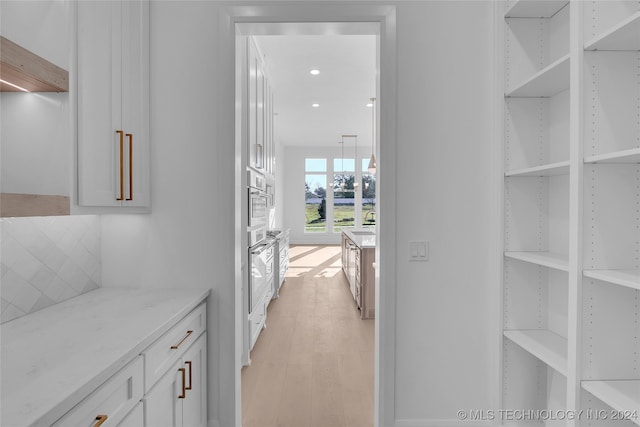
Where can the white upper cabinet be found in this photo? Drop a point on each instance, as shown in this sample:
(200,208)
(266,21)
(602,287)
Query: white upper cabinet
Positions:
(113,103)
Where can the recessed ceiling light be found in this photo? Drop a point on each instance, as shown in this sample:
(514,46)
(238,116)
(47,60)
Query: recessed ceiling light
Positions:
(315,105)
(314,72)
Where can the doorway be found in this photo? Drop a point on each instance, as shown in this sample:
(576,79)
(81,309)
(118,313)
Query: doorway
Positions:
(263,20)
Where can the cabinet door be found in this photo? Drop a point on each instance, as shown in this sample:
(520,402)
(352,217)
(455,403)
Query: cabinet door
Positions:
(135,417)
(113,103)
(163,405)
(194,412)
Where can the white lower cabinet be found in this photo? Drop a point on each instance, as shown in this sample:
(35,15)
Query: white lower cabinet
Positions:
(135,417)
(111,402)
(178,399)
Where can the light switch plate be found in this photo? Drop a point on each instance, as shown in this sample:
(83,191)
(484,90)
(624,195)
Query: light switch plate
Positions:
(418,250)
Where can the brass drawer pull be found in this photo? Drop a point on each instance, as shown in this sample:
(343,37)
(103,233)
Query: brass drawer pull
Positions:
(130,135)
(121,133)
(188,363)
(184,385)
(100,420)
(175,347)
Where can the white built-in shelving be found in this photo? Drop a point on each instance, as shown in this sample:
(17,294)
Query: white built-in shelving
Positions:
(547,82)
(571,197)
(547,346)
(544,259)
(621,395)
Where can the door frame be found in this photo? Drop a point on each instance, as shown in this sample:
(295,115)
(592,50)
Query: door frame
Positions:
(323,12)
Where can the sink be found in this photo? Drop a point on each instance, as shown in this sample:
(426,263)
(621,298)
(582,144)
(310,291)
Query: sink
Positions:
(363,232)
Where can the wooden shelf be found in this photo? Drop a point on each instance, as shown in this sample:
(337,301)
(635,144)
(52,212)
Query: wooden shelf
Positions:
(547,82)
(625,156)
(547,346)
(18,205)
(535,8)
(623,36)
(628,278)
(621,395)
(545,259)
(29,71)
(551,169)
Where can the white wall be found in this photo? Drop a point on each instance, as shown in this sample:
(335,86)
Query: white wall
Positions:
(444,315)
(36,132)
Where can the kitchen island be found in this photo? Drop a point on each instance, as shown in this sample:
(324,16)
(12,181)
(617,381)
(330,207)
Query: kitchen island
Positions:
(56,358)
(358,256)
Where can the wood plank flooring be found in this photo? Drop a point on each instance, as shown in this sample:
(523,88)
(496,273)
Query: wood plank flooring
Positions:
(313,364)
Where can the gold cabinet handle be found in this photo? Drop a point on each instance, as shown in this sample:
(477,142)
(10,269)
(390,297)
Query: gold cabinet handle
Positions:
(190,365)
(175,346)
(184,383)
(130,135)
(121,133)
(100,420)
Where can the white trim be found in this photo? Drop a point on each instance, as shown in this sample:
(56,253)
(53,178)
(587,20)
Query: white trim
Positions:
(385,15)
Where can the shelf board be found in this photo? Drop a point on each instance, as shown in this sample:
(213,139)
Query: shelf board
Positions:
(621,395)
(545,259)
(27,70)
(535,8)
(625,156)
(628,278)
(551,169)
(547,346)
(622,36)
(547,82)
(18,205)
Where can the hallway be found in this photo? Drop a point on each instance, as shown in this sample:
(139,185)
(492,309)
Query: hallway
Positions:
(313,364)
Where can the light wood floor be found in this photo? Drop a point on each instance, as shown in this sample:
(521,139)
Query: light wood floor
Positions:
(313,364)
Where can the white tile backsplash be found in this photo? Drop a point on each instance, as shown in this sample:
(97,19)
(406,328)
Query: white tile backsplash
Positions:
(46,260)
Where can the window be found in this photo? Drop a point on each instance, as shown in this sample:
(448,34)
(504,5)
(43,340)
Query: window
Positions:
(315,193)
(344,179)
(368,196)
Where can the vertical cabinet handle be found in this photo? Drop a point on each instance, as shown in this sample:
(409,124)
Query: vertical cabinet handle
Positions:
(130,135)
(100,419)
(121,133)
(190,365)
(184,383)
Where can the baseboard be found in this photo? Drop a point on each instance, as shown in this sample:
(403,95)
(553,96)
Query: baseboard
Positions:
(442,423)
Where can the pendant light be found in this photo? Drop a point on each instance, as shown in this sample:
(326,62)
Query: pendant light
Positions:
(372,162)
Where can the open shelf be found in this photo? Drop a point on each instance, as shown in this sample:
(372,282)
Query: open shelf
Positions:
(625,156)
(623,36)
(552,169)
(547,82)
(535,8)
(547,346)
(628,278)
(545,259)
(621,395)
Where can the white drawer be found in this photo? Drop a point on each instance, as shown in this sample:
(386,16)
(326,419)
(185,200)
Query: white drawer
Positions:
(113,400)
(160,355)
(256,322)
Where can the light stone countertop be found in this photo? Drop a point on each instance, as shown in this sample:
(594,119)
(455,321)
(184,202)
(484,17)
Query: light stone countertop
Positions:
(53,358)
(363,241)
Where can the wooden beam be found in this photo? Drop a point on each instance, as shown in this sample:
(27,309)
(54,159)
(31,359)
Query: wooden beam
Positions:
(28,70)
(13,205)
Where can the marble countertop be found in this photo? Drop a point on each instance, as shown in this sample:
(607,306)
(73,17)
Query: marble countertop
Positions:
(365,238)
(53,358)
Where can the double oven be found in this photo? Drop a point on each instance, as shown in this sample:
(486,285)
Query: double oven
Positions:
(261,250)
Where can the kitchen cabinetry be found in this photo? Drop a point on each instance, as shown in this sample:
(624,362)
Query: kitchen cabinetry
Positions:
(113,103)
(357,264)
(179,397)
(571,145)
(261,149)
(148,367)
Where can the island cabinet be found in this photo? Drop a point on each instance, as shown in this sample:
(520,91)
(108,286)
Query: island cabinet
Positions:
(357,264)
(109,358)
(113,104)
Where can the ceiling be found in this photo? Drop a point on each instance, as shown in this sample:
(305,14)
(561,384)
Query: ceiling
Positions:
(347,81)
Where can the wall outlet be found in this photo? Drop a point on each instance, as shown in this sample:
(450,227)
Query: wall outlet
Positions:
(418,251)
